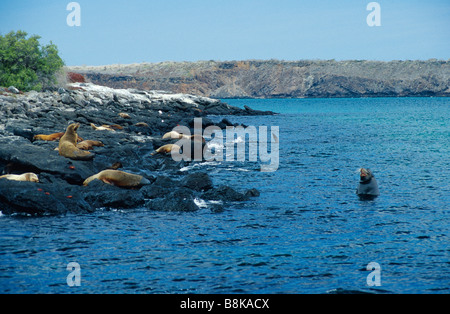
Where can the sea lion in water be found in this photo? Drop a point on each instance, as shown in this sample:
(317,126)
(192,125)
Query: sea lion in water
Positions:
(368,186)
(29,176)
(166,149)
(68,145)
(118,178)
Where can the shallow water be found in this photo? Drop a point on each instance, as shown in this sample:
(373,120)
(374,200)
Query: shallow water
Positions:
(306,233)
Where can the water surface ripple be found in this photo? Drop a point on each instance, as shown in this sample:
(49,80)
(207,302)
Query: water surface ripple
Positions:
(306,233)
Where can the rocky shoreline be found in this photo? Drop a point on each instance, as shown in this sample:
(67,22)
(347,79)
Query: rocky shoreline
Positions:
(145,117)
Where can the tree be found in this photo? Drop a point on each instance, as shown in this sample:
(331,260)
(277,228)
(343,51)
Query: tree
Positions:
(25,64)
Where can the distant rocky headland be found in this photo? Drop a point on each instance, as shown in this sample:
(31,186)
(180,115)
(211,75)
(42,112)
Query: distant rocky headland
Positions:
(280,79)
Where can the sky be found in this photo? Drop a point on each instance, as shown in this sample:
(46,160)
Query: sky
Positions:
(135,31)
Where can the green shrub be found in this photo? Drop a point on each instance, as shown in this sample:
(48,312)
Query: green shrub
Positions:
(25,64)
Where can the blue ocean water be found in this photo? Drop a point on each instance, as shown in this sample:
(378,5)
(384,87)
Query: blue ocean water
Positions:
(307,232)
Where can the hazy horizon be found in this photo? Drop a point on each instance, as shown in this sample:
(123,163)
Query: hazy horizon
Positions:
(250,60)
(138,31)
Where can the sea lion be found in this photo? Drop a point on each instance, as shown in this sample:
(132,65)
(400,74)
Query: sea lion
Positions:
(124,115)
(118,178)
(52,137)
(89,144)
(166,149)
(29,176)
(142,124)
(101,128)
(172,135)
(197,138)
(113,126)
(68,145)
(49,137)
(176,135)
(368,186)
(115,165)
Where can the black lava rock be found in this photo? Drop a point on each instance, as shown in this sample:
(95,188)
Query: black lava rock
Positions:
(60,189)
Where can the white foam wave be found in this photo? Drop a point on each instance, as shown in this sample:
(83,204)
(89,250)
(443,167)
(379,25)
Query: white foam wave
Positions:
(199,165)
(238,169)
(201,203)
(215,145)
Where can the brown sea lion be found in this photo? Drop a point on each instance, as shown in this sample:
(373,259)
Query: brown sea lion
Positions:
(89,144)
(51,137)
(118,178)
(142,124)
(113,126)
(166,149)
(29,176)
(116,165)
(197,138)
(124,115)
(68,145)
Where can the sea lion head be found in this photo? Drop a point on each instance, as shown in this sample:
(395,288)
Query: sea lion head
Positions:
(365,175)
(32,177)
(73,127)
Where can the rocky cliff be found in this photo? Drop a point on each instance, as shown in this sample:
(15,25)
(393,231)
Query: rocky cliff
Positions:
(272,79)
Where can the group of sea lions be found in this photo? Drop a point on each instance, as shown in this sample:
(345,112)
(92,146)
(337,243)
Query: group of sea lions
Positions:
(168,148)
(70,148)
(73,147)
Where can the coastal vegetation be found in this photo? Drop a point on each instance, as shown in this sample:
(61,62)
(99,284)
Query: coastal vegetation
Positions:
(26,64)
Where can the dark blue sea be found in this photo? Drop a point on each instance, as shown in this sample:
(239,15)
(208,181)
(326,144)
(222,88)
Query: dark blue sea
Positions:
(306,233)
